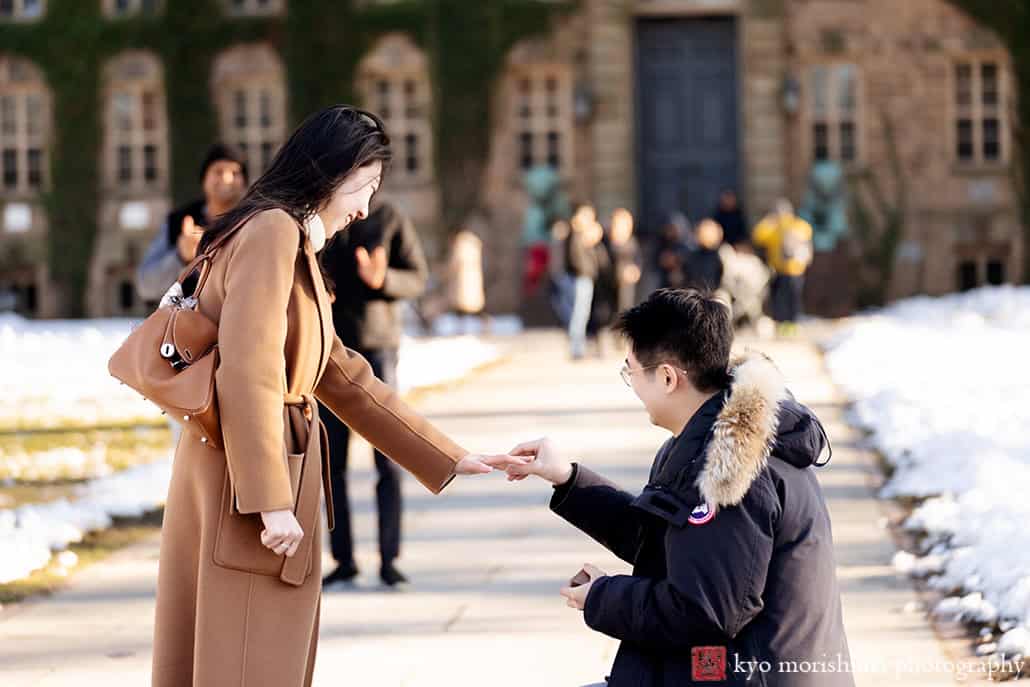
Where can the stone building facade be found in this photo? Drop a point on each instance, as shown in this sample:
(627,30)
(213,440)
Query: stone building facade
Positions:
(652,105)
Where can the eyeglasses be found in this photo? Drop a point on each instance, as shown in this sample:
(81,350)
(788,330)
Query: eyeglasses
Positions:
(627,374)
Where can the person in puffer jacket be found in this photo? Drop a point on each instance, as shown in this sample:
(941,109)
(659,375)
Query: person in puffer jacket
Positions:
(734,580)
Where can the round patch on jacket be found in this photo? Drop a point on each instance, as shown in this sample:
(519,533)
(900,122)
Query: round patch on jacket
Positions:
(701,514)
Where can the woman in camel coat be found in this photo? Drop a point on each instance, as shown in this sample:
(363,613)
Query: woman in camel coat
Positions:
(239,581)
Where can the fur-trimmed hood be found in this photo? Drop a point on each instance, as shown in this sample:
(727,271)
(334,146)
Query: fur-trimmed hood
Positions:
(727,443)
(744,431)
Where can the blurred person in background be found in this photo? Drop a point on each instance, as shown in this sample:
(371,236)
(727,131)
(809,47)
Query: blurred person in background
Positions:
(626,259)
(223,179)
(374,266)
(704,266)
(604,304)
(583,266)
(563,286)
(786,240)
(730,217)
(672,252)
(465,279)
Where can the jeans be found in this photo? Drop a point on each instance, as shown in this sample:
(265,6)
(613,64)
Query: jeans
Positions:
(584,297)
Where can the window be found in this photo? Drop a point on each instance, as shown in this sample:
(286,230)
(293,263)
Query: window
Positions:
(833,112)
(130,8)
(253,8)
(136,129)
(980,127)
(393,82)
(21,10)
(24,128)
(543,117)
(248,84)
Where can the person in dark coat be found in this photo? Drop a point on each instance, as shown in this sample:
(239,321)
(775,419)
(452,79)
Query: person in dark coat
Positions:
(731,218)
(673,251)
(704,269)
(603,307)
(376,264)
(734,580)
(223,178)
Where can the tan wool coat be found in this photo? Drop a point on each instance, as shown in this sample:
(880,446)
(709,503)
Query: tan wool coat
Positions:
(228,614)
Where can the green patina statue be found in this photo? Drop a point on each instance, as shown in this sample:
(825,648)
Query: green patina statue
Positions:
(825,205)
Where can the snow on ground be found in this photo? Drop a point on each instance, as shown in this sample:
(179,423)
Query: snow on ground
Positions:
(55,374)
(944,385)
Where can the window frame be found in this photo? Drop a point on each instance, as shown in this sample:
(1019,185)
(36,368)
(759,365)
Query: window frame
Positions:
(408,117)
(18,15)
(260,128)
(541,122)
(135,9)
(253,8)
(141,146)
(978,113)
(833,119)
(25,139)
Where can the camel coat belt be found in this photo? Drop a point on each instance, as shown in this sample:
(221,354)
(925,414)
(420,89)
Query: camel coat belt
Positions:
(230,611)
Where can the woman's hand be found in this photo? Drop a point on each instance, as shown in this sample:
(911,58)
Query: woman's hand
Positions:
(282,533)
(479,464)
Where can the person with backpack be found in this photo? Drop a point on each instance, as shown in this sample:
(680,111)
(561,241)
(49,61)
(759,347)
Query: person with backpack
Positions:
(786,240)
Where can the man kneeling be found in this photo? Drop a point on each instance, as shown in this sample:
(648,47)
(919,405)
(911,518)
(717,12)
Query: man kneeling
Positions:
(734,580)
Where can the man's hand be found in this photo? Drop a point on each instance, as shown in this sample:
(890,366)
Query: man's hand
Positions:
(478,464)
(630,274)
(189,239)
(546,463)
(576,597)
(372,268)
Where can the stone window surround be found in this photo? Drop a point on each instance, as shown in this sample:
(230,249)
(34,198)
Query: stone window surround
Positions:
(393,82)
(17,11)
(249,89)
(833,118)
(29,135)
(133,8)
(143,147)
(542,122)
(978,112)
(253,8)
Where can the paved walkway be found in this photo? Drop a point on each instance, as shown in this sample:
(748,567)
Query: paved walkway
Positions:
(487,556)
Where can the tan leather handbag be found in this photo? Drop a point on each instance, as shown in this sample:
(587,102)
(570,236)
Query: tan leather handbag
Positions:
(172,356)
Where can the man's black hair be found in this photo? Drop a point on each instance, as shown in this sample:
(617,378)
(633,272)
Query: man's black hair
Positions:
(219,152)
(685,328)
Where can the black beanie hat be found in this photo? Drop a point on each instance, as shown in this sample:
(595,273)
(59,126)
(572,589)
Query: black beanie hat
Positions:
(220,151)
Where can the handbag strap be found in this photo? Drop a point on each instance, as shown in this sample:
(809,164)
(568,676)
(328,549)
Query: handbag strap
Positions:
(203,261)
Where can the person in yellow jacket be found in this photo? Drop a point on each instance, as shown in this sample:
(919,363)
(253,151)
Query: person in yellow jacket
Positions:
(786,240)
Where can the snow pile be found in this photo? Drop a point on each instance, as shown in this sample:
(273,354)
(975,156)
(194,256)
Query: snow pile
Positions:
(59,372)
(53,373)
(426,362)
(944,385)
(29,533)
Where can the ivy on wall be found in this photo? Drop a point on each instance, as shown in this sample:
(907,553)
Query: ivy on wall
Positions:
(321,43)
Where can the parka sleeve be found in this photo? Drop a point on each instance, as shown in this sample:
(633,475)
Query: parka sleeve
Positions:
(375,411)
(251,376)
(716,575)
(601,510)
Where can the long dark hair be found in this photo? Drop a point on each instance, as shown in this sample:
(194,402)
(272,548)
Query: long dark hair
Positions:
(310,166)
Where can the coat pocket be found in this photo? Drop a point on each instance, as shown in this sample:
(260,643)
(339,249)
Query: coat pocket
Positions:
(238,540)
